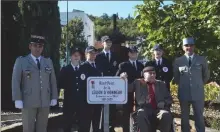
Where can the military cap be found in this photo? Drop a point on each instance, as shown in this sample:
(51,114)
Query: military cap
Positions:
(132,49)
(105,38)
(37,39)
(188,40)
(157,47)
(74,50)
(90,49)
(148,68)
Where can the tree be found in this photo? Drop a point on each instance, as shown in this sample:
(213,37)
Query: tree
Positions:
(20,19)
(104,26)
(169,24)
(75,34)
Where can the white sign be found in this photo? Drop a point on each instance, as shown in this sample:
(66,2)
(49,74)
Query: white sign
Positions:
(106,90)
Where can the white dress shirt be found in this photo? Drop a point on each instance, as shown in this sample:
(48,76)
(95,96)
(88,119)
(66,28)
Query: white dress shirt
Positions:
(90,62)
(189,56)
(109,54)
(74,67)
(135,63)
(34,58)
(159,60)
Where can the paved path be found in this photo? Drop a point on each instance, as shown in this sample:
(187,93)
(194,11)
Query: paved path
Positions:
(55,126)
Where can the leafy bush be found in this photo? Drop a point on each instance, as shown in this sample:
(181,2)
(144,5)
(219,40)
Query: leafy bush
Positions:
(213,123)
(212,91)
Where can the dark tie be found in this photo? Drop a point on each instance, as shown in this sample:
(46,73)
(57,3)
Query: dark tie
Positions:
(190,61)
(76,68)
(38,63)
(107,55)
(158,63)
(93,65)
(134,65)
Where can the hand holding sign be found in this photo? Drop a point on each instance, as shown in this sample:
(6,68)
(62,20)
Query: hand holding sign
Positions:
(124,75)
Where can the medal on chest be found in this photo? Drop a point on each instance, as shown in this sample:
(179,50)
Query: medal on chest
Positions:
(28,74)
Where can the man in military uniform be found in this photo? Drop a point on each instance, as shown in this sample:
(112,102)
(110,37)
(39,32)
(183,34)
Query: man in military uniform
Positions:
(163,67)
(107,61)
(191,73)
(70,81)
(133,70)
(34,87)
(89,112)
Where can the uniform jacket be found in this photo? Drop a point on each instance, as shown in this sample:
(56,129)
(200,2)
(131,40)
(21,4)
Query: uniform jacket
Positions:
(34,87)
(191,79)
(161,93)
(164,72)
(106,67)
(71,81)
(132,73)
(89,71)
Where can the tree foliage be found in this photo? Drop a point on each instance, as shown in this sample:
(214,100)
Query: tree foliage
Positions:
(20,19)
(104,26)
(75,37)
(169,24)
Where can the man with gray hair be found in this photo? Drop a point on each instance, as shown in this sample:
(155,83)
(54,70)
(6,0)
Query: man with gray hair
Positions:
(190,74)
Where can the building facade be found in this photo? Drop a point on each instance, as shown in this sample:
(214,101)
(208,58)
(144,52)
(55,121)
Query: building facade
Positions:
(89,30)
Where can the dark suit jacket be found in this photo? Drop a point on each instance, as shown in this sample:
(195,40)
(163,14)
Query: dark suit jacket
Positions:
(89,72)
(131,72)
(71,82)
(106,67)
(160,73)
(161,93)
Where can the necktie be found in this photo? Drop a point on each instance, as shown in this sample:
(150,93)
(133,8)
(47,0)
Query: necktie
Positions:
(93,65)
(107,55)
(158,62)
(134,65)
(76,68)
(38,63)
(190,61)
(152,98)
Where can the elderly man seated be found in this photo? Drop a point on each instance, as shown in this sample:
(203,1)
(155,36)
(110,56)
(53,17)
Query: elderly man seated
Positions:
(153,101)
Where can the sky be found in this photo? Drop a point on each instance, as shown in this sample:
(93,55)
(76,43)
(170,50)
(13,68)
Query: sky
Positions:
(97,8)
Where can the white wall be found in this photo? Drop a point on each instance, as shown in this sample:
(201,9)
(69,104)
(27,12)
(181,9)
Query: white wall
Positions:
(88,24)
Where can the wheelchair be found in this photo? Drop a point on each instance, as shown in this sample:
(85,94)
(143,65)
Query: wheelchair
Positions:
(134,125)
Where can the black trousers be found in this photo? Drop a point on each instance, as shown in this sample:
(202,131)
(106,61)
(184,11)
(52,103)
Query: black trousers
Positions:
(127,110)
(148,121)
(168,86)
(89,113)
(70,115)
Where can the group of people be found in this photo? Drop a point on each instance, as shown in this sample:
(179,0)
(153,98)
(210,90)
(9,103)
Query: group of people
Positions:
(35,88)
